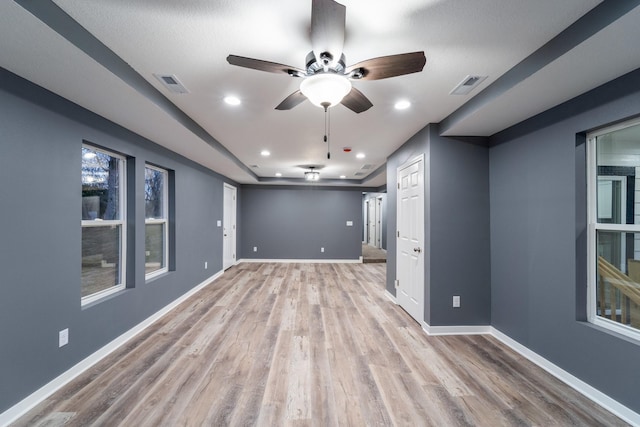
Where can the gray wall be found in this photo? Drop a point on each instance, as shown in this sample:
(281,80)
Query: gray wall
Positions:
(538,229)
(295,222)
(40,157)
(456,226)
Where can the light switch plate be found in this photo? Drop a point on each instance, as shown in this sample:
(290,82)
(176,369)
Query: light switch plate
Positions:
(63,337)
(456,301)
(219,223)
(349,223)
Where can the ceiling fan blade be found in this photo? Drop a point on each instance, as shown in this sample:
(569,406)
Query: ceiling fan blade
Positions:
(291,101)
(258,64)
(327,28)
(356,101)
(389,66)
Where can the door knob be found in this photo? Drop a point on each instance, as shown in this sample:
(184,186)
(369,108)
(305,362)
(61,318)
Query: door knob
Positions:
(417,250)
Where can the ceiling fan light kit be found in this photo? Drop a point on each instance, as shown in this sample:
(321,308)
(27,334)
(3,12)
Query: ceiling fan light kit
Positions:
(325,89)
(312,175)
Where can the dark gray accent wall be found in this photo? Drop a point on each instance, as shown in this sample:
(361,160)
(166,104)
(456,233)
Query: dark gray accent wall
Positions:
(456,226)
(538,229)
(459,245)
(40,193)
(295,222)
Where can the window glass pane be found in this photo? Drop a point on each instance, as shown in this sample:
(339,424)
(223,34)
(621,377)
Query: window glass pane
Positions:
(100,258)
(154,193)
(154,244)
(100,185)
(618,277)
(618,168)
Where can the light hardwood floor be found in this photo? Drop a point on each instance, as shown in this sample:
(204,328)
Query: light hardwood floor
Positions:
(310,344)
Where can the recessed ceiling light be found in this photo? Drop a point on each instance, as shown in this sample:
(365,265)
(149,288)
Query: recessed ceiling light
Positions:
(278,174)
(342,176)
(360,155)
(402,104)
(265,153)
(232,100)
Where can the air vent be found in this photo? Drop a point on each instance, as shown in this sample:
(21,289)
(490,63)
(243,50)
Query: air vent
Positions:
(255,166)
(359,173)
(366,167)
(467,85)
(172,83)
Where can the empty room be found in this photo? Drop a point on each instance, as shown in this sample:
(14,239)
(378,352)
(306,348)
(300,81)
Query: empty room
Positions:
(319,212)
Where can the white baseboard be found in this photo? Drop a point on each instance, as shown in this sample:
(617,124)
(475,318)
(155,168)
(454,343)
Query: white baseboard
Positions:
(391,297)
(304,261)
(577,384)
(29,402)
(455,330)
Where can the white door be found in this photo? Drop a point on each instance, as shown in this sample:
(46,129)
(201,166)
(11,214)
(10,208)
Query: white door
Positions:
(410,237)
(371,215)
(378,223)
(229,227)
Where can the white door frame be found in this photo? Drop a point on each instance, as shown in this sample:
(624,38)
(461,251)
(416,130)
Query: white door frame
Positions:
(378,239)
(412,248)
(230,194)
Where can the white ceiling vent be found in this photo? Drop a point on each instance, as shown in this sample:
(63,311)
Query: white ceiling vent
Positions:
(366,166)
(467,85)
(172,83)
(359,174)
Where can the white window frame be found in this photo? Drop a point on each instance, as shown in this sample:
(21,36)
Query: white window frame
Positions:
(164,220)
(594,227)
(110,223)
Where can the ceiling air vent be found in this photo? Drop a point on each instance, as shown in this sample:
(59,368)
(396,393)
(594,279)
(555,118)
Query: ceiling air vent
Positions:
(366,167)
(467,85)
(172,83)
(359,174)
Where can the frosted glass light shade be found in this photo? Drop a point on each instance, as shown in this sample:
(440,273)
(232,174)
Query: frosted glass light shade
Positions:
(312,176)
(327,88)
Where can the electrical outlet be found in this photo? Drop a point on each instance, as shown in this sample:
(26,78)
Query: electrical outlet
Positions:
(349,223)
(205,265)
(255,249)
(321,249)
(63,337)
(456,301)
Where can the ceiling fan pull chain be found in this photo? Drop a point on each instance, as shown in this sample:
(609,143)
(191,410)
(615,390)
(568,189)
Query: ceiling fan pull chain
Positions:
(327,124)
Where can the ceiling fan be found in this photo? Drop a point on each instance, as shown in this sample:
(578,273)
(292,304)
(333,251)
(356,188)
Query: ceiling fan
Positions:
(326,80)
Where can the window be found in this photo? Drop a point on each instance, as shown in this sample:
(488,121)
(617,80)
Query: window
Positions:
(156,227)
(103,225)
(613,157)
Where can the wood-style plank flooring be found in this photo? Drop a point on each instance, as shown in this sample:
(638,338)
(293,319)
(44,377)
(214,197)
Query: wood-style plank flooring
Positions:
(309,344)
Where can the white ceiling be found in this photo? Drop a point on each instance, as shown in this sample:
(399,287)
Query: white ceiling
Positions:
(192,40)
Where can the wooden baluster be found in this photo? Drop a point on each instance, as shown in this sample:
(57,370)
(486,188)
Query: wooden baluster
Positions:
(612,302)
(603,305)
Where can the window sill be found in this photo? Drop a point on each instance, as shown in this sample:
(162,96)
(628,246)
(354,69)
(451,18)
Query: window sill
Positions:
(98,297)
(627,334)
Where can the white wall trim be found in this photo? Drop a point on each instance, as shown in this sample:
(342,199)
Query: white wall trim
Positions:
(455,330)
(304,261)
(29,402)
(391,297)
(577,384)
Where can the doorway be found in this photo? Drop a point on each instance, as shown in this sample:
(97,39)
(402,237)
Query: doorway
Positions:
(229,227)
